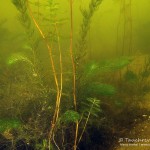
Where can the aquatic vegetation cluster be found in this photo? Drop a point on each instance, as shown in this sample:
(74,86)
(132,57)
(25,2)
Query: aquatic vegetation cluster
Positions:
(53,98)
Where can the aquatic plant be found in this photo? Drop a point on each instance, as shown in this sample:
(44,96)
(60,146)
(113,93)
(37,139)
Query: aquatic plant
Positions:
(98,87)
(92,68)
(8,124)
(81,48)
(87,15)
(83,92)
(115,64)
(101,89)
(31,40)
(70,116)
(90,94)
(18,57)
(92,106)
(26,16)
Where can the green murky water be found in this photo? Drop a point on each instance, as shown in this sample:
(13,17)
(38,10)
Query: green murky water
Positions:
(74,75)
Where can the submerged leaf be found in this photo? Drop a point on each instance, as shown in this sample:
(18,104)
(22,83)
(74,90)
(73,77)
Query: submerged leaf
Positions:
(116,64)
(91,68)
(18,57)
(70,116)
(91,106)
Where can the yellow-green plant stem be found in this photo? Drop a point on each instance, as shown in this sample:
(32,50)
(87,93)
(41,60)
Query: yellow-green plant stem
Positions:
(87,119)
(61,72)
(53,69)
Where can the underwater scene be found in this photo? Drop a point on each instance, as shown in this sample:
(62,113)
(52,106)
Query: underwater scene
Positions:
(75,75)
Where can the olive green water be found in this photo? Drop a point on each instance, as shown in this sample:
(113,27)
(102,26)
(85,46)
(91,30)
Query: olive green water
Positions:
(74,75)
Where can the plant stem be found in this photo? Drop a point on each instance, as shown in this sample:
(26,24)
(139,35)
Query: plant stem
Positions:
(53,122)
(87,119)
(71,55)
(61,72)
(74,71)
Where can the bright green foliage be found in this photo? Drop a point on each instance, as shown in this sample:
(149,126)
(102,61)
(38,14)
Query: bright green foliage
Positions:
(116,64)
(101,89)
(24,61)
(91,69)
(6,124)
(70,116)
(91,106)
(18,57)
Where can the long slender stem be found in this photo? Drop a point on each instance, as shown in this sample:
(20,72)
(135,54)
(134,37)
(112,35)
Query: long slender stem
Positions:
(53,68)
(74,72)
(71,55)
(87,119)
(61,72)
